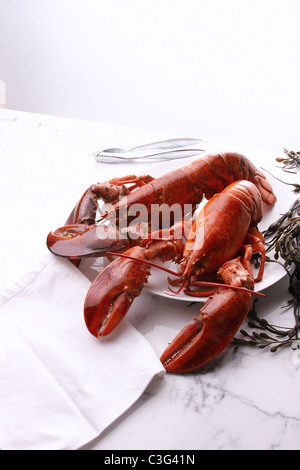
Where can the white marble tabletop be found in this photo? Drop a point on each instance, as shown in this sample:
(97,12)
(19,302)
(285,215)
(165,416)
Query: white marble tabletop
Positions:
(246,399)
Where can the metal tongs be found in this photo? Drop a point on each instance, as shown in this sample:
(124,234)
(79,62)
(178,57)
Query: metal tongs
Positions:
(161,150)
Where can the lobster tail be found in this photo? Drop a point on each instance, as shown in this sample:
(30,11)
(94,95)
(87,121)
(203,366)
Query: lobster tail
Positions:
(216,171)
(265,189)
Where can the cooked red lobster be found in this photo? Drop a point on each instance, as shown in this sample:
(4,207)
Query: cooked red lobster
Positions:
(238,208)
(82,237)
(221,239)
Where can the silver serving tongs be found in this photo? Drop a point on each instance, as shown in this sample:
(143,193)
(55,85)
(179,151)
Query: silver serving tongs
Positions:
(161,150)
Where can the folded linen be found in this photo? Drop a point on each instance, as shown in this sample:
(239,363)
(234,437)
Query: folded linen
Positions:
(59,386)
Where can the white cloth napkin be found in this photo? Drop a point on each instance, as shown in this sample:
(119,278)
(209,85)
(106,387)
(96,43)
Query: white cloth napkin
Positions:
(59,386)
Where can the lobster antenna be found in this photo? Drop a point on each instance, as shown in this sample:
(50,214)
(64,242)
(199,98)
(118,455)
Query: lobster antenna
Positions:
(149,263)
(174,273)
(219,284)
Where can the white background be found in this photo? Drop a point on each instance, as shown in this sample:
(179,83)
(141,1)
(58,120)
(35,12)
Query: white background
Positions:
(219,69)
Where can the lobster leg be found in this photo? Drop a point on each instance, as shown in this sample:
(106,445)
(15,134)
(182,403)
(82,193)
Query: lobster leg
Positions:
(254,243)
(86,208)
(218,321)
(136,181)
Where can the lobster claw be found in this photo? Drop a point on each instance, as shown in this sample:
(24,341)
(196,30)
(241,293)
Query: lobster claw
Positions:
(218,321)
(113,291)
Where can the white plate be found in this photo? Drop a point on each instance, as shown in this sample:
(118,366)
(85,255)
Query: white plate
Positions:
(158,281)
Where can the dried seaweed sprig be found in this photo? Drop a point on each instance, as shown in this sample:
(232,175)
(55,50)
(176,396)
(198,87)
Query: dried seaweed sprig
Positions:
(281,336)
(291,161)
(296,185)
(294,289)
(286,243)
(285,233)
(287,216)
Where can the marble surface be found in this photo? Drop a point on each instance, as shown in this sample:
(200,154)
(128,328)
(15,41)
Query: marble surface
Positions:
(245,399)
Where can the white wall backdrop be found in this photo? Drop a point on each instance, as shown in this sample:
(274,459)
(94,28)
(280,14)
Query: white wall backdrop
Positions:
(221,69)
